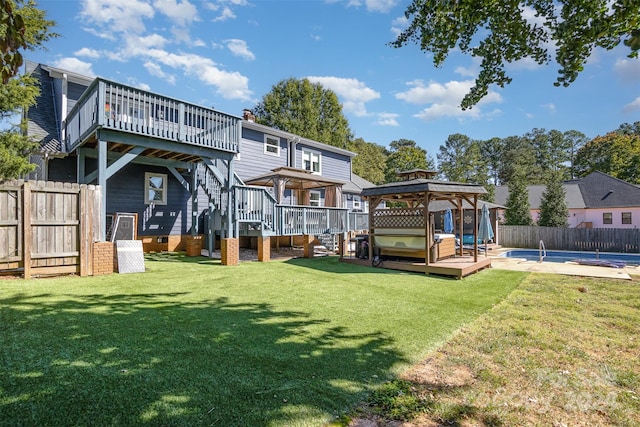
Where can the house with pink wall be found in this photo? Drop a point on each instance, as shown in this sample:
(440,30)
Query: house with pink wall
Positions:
(596,201)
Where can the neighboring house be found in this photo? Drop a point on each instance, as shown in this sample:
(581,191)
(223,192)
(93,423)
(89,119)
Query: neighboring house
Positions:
(595,201)
(183,169)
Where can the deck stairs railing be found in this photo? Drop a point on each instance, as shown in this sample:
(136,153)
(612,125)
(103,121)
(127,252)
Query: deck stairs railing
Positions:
(329,241)
(212,184)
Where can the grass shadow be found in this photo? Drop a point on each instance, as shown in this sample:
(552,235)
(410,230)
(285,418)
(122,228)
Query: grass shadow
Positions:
(154,358)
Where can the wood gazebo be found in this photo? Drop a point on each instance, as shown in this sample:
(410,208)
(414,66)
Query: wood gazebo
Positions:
(405,238)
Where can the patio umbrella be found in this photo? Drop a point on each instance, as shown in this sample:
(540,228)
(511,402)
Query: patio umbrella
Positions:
(485,232)
(448,221)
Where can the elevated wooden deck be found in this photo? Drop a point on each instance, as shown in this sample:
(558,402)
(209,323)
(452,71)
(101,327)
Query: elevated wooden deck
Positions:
(457,267)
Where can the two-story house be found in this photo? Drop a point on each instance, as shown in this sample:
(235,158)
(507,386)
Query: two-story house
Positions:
(182,170)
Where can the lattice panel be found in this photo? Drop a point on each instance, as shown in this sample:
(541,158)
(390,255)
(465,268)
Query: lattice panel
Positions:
(399,218)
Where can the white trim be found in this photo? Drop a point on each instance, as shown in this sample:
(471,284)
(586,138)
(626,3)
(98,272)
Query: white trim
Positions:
(268,146)
(312,155)
(312,200)
(357,202)
(161,188)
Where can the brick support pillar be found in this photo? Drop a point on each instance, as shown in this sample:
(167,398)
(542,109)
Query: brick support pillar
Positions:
(307,242)
(103,254)
(230,251)
(264,249)
(194,245)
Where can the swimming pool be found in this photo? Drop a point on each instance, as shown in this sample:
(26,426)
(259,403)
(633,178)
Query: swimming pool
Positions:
(566,256)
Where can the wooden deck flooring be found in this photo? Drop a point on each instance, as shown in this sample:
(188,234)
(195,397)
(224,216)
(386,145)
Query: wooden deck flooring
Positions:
(457,267)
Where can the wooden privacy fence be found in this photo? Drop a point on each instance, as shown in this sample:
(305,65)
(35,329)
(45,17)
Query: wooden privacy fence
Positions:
(48,227)
(571,239)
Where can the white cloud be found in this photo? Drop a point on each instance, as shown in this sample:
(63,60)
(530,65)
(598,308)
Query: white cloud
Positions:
(550,107)
(155,70)
(632,106)
(371,5)
(628,69)
(139,85)
(354,93)
(398,25)
(229,85)
(117,15)
(387,119)
(239,48)
(444,99)
(182,13)
(225,15)
(75,65)
(383,6)
(88,53)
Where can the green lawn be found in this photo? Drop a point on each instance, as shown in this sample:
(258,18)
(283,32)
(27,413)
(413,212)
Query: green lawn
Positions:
(190,342)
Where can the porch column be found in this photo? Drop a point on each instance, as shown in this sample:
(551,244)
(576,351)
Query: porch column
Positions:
(102,182)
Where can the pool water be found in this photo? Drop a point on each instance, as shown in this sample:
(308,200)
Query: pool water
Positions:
(566,256)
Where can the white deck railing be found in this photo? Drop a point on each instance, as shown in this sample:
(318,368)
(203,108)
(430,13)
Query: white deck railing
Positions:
(124,108)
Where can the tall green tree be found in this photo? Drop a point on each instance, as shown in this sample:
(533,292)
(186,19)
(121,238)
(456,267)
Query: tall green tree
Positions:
(519,154)
(501,32)
(552,151)
(370,163)
(306,109)
(461,159)
(615,154)
(492,151)
(18,93)
(553,205)
(405,154)
(629,128)
(575,141)
(518,210)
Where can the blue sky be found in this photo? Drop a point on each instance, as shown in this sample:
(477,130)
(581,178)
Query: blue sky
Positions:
(229,53)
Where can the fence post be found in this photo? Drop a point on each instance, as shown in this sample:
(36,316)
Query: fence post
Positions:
(26,229)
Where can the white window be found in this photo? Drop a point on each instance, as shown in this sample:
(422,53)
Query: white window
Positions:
(356,202)
(314,198)
(156,188)
(311,161)
(271,145)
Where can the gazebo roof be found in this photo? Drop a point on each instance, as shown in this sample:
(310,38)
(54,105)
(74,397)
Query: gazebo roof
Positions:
(420,186)
(294,178)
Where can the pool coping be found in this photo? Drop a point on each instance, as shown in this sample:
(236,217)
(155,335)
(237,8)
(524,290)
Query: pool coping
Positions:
(567,268)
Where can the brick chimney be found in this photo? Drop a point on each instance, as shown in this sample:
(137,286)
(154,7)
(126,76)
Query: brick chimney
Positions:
(248,115)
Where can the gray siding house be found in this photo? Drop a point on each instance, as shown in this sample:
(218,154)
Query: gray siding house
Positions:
(184,170)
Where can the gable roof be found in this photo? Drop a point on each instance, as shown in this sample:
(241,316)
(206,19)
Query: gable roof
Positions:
(596,190)
(42,123)
(290,136)
(600,190)
(357,184)
(573,195)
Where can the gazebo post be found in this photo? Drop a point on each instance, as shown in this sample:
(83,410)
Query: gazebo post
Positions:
(475,228)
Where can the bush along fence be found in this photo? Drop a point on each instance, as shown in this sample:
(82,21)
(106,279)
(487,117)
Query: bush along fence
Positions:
(571,239)
(48,228)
